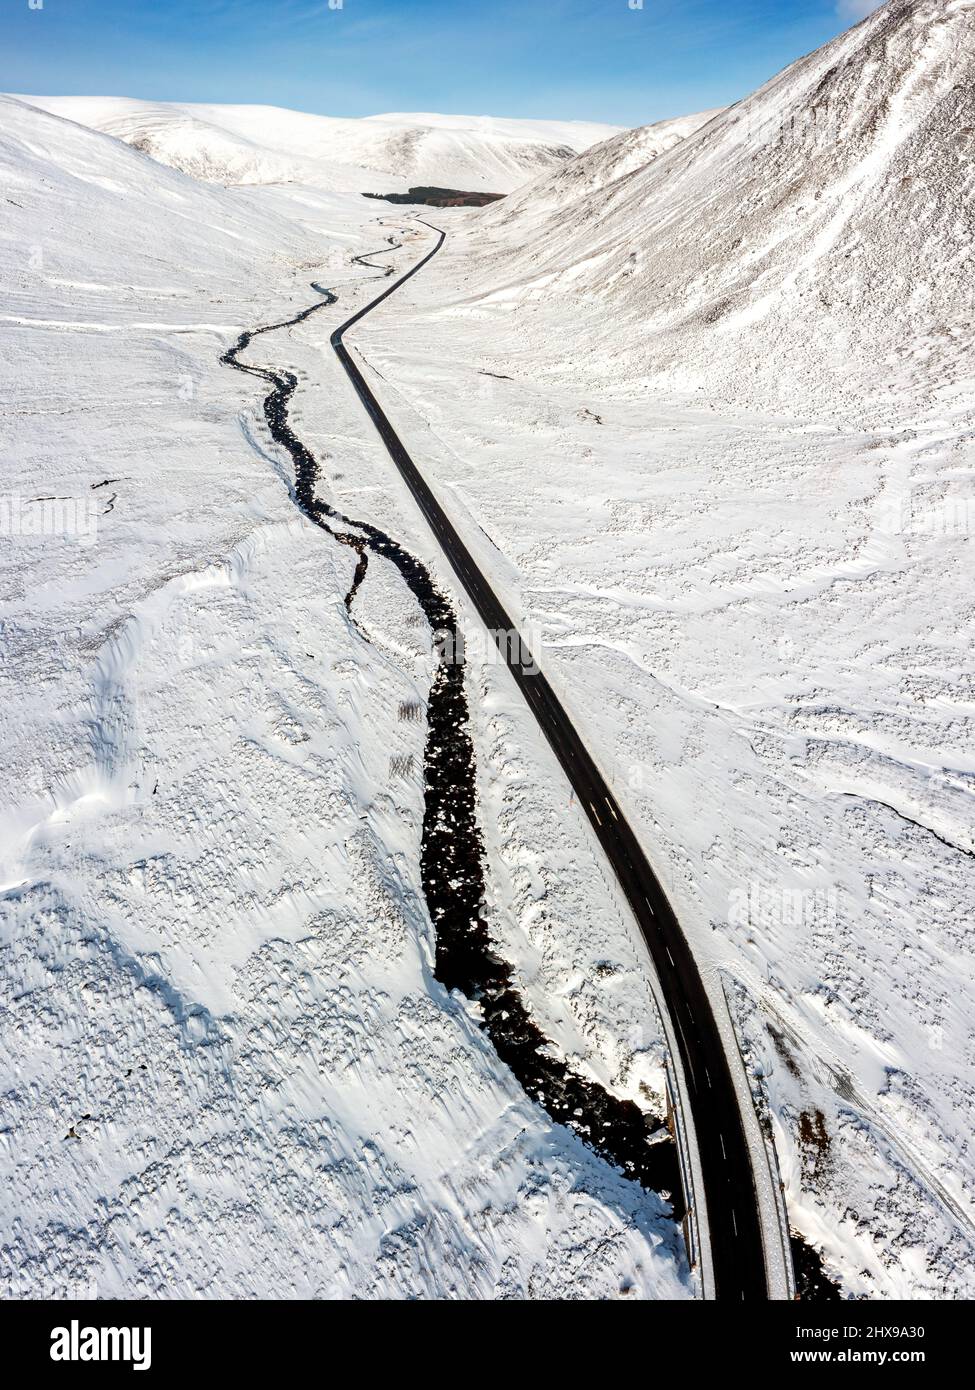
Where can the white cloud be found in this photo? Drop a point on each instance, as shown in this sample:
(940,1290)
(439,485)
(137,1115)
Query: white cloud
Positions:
(854,10)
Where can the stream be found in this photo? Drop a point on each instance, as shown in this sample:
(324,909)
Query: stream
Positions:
(452,860)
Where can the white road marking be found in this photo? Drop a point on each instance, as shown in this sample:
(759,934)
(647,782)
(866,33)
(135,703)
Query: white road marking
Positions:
(690,1064)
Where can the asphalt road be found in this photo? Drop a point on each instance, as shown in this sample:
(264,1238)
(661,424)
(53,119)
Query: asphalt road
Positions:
(733,1223)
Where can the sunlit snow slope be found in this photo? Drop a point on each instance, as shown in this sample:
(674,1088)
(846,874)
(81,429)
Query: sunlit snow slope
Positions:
(268,144)
(811,244)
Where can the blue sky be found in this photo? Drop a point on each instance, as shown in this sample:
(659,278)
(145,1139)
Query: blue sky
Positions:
(565,59)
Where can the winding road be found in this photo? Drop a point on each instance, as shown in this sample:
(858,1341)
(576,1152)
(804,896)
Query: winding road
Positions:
(733,1220)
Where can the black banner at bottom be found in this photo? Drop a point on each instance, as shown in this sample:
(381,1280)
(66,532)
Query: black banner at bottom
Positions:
(176,1339)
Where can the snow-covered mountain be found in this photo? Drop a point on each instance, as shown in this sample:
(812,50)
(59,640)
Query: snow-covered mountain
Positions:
(610,160)
(269,144)
(811,243)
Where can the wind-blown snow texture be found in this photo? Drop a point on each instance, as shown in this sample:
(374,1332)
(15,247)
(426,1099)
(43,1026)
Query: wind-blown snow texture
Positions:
(711,426)
(228,1069)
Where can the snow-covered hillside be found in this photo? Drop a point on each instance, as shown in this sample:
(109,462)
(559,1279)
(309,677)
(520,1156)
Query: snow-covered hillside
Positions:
(811,244)
(711,428)
(227,1067)
(268,144)
(612,159)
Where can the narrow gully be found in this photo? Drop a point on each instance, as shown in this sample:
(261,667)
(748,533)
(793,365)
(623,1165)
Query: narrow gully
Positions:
(452,861)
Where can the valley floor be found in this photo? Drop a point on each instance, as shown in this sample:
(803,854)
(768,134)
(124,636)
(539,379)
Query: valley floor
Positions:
(761,624)
(228,1067)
